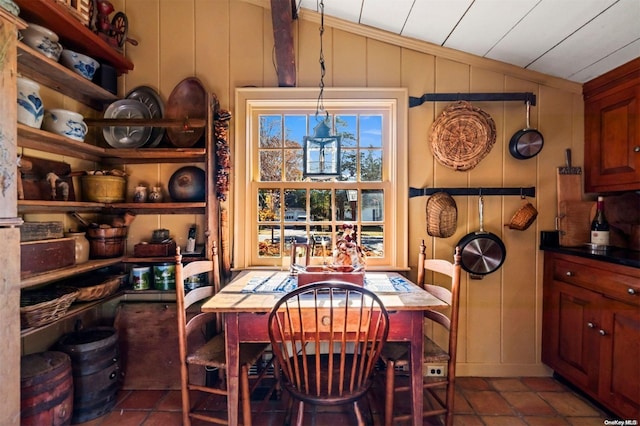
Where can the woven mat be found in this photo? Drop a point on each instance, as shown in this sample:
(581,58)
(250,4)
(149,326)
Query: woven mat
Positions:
(462,136)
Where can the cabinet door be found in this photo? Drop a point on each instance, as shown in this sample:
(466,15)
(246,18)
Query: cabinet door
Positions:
(619,335)
(612,145)
(569,333)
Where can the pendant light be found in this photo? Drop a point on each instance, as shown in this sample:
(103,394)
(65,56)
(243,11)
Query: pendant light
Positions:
(322,150)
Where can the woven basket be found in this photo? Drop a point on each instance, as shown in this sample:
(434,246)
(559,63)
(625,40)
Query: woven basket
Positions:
(442,215)
(462,136)
(98,291)
(44,306)
(523,217)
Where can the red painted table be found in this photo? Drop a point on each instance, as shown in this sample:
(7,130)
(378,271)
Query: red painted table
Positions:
(246,316)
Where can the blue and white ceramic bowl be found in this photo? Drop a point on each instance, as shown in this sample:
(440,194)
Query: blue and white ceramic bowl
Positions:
(43,40)
(82,64)
(66,123)
(30,107)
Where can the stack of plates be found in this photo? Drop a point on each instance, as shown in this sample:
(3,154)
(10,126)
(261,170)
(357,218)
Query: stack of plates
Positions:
(142,103)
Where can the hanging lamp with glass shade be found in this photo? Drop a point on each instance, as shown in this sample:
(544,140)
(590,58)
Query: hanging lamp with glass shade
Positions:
(322,150)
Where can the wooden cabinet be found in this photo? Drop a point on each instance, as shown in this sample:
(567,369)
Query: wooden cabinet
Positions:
(612,130)
(591,328)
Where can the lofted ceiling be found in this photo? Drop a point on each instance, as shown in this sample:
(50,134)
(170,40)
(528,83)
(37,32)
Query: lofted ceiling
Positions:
(577,40)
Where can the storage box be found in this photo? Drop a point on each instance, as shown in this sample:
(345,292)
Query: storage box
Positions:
(46,255)
(34,231)
(305,278)
(154,249)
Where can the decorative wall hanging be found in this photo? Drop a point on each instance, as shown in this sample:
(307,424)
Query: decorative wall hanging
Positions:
(462,136)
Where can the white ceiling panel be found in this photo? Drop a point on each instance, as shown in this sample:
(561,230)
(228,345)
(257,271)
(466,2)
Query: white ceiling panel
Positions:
(608,63)
(486,22)
(612,30)
(385,14)
(549,23)
(573,39)
(433,20)
(349,10)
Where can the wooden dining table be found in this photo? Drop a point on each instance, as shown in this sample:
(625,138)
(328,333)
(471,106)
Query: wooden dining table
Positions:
(246,313)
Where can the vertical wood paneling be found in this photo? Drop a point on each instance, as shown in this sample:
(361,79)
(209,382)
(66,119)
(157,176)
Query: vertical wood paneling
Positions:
(308,54)
(417,75)
(383,64)
(177,42)
(229,44)
(270,70)
(212,47)
(349,59)
(247,33)
(146,55)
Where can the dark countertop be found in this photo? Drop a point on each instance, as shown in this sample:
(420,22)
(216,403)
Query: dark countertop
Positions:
(616,255)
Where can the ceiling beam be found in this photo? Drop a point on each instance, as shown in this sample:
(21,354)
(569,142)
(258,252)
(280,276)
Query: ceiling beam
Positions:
(282,19)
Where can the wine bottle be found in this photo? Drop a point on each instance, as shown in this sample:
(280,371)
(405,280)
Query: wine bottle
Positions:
(600,226)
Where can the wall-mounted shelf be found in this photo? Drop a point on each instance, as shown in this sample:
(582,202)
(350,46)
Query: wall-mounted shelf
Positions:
(73,34)
(58,274)
(472,97)
(74,309)
(29,137)
(186,123)
(158,208)
(521,191)
(37,67)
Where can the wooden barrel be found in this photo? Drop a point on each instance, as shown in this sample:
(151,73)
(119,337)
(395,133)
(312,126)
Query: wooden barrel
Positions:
(46,384)
(96,370)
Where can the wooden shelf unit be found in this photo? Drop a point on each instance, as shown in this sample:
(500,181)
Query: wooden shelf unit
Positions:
(73,34)
(37,67)
(74,309)
(62,273)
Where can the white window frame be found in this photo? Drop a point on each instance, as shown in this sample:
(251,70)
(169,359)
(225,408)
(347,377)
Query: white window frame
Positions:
(249,102)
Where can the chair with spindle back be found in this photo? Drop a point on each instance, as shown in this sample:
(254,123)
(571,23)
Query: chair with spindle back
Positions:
(327,337)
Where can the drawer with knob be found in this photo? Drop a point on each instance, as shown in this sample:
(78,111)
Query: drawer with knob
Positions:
(612,281)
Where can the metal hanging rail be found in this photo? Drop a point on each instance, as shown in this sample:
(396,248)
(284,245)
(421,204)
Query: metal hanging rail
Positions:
(476,97)
(524,192)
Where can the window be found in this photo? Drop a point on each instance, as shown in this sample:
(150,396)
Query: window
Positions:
(276,205)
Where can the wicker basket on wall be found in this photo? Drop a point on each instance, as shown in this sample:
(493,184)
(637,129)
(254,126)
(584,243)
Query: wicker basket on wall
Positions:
(462,136)
(442,215)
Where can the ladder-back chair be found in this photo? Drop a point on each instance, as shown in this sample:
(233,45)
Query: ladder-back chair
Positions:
(211,354)
(396,355)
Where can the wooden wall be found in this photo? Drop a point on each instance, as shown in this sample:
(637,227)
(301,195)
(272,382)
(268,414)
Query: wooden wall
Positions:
(229,44)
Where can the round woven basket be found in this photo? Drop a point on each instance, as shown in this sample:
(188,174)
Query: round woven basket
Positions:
(462,136)
(442,215)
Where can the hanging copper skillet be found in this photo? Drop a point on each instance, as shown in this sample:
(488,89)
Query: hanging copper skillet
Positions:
(482,252)
(526,143)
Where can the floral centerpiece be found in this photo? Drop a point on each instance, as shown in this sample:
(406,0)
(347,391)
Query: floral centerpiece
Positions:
(348,255)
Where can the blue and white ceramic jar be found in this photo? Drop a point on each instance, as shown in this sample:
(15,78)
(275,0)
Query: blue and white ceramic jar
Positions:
(66,123)
(81,64)
(30,107)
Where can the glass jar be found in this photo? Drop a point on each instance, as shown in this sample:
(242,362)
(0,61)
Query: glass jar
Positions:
(82,246)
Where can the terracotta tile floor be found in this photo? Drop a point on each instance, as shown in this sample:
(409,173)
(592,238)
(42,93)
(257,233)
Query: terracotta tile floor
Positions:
(533,401)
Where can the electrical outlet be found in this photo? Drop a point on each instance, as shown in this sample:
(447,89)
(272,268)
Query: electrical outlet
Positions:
(435,370)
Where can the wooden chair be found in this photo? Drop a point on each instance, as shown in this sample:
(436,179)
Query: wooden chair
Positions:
(397,354)
(327,338)
(208,353)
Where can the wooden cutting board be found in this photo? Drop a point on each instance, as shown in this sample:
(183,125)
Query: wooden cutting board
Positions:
(574,222)
(569,180)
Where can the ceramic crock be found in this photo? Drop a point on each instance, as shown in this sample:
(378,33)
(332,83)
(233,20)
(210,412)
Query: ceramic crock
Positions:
(30,107)
(66,123)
